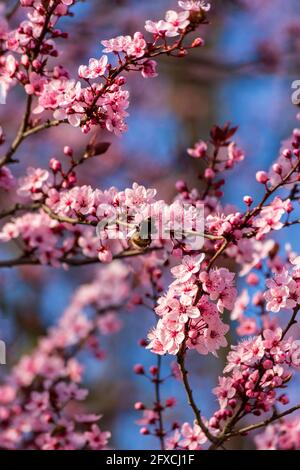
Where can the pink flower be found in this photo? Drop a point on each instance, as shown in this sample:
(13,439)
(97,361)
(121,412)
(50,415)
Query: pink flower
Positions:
(7,180)
(246,327)
(137,46)
(161,28)
(149,417)
(270,216)
(109,323)
(192,436)
(118,44)
(214,336)
(38,402)
(194,5)
(32,185)
(267,440)
(96,439)
(89,244)
(104,254)
(173,440)
(283,292)
(149,69)
(272,338)
(240,305)
(225,391)
(95,69)
(235,154)
(281,435)
(177,20)
(8,232)
(35,85)
(199,150)
(190,266)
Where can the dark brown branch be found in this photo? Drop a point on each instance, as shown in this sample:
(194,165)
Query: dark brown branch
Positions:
(264,423)
(74,262)
(189,393)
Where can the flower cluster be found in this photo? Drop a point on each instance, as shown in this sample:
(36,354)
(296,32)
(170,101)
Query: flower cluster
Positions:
(101,100)
(188,437)
(184,321)
(57,221)
(37,398)
(283,290)
(257,368)
(271,215)
(280,436)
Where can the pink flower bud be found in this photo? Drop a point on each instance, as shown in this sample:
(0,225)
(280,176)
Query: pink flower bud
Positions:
(198,42)
(170,402)
(232,403)
(193,334)
(214,423)
(180,185)
(27,3)
(139,406)
(284,399)
(105,255)
(182,53)
(55,165)
(252,279)
(209,173)
(139,369)
(248,200)
(296,152)
(37,64)
(267,364)
(72,179)
(136,299)
(153,370)
(277,168)
(25,61)
(144,431)
(121,81)
(68,151)
(262,177)
(287,153)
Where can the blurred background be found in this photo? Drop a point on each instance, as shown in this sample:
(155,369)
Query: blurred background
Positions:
(242,75)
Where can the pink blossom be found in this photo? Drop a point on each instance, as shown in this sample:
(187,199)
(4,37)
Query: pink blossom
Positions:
(32,185)
(38,402)
(96,439)
(225,391)
(194,5)
(199,150)
(149,69)
(109,323)
(177,20)
(190,265)
(7,180)
(95,69)
(192,437)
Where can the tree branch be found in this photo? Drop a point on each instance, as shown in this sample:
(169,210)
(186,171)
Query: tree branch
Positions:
(74,262)
(262,424)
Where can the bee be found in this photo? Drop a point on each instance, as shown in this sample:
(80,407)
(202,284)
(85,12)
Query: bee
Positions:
(141,238)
